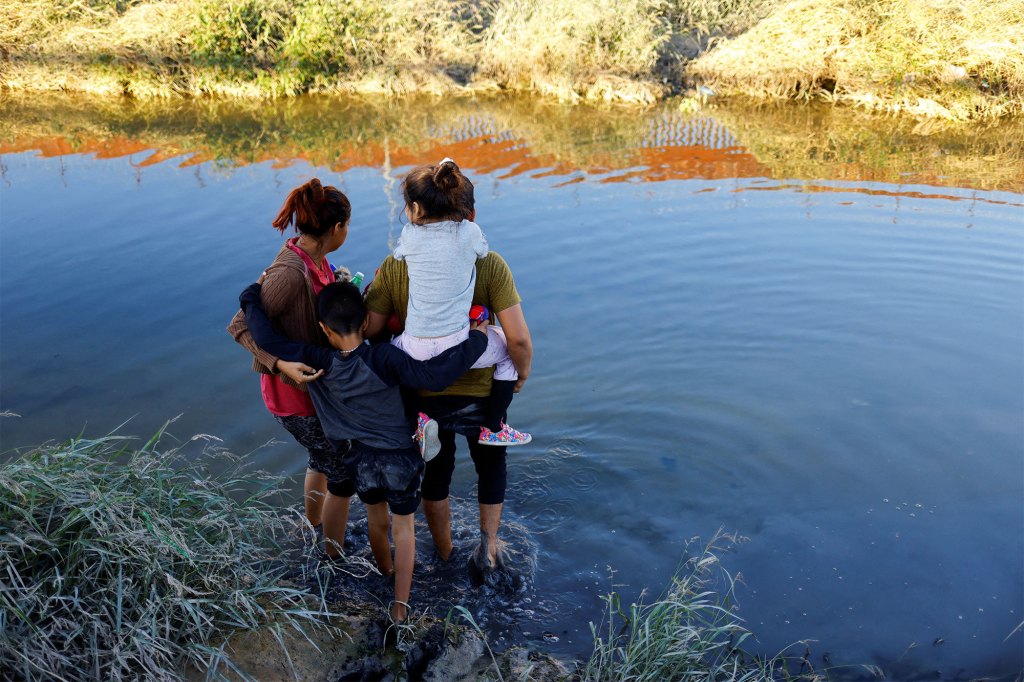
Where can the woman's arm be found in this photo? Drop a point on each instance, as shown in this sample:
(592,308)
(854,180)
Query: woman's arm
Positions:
(239,331)
(282,289)
(520,346)
(264,334)
(299,372)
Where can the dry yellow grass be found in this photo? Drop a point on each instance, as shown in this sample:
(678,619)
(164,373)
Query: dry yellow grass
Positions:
(946,59)
(575,49)
(954,59)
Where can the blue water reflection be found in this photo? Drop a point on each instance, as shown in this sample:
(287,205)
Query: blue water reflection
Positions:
(833,370)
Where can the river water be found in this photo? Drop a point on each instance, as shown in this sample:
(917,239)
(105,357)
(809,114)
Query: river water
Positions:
(803,326)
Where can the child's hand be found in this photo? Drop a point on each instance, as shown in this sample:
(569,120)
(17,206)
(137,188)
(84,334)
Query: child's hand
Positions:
(342,274)
(299,372)
(478,326)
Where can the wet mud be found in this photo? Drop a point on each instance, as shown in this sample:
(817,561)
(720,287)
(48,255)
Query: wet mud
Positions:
(465,617)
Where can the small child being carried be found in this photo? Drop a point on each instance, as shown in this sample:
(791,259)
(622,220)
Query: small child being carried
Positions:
(440,246)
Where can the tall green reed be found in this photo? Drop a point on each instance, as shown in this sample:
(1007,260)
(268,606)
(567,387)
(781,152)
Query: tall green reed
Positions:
(691,632)
(119,562)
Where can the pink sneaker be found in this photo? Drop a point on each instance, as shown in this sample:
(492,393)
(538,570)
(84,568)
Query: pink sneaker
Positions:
(426,437)
(507,436)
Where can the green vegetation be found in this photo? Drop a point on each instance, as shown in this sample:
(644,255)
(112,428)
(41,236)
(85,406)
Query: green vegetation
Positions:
(124,562)
(942,58)
(952,59)
(691,631)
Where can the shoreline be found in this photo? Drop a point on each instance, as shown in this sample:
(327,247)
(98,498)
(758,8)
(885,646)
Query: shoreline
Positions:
(145,547)
(955,62)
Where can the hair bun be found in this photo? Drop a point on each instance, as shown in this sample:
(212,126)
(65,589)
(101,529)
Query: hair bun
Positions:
(445,175)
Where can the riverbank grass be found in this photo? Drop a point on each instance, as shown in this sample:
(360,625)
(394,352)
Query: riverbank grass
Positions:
(690,632)
(955,59)
(951,59)
(122,561)
(570,50)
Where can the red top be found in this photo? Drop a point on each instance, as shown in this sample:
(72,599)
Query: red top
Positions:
(283,400)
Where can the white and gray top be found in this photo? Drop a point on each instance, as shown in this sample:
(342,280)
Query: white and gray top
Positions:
(441,258)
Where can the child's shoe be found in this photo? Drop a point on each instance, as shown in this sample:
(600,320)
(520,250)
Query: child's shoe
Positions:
(426,437)
(507,436)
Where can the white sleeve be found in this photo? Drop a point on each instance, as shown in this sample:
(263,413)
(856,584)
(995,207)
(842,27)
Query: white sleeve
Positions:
(399,252)
(480,243)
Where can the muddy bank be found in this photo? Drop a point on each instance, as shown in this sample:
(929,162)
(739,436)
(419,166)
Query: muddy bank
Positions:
(431,649)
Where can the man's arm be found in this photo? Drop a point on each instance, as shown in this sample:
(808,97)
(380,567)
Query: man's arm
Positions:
(376,324)
(435,374)
(379,304)
(506,304)
(266,337)
(520,346)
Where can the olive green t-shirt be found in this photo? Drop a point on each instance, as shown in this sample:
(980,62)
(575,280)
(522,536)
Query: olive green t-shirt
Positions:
(495,288)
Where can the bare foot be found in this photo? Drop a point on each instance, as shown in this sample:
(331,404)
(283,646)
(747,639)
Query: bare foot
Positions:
(399,611)
(332,549)
(489,556)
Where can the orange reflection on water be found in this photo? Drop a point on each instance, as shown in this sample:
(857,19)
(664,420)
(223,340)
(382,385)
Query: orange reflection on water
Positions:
(683,163)
(52,146)
(700,148)
(482,153)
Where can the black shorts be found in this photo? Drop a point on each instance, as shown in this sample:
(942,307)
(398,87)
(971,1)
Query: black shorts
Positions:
(324,456)
(392,476)
(463,415)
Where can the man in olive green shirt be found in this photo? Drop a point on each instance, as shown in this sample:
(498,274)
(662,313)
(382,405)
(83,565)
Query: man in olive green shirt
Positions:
(460,408)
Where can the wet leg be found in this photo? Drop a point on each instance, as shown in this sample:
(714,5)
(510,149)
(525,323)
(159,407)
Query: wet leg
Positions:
(314,492)
(335,518)
(378,522)
(492,479)
(436,482)
(405,557)
(490,520)
(439,521)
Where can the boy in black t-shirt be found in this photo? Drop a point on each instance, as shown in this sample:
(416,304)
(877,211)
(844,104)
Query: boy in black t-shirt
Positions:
(355,389)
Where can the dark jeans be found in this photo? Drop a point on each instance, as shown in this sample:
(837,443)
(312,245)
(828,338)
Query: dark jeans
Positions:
(465,415)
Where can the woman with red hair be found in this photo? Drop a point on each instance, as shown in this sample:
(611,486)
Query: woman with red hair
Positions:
(320,216)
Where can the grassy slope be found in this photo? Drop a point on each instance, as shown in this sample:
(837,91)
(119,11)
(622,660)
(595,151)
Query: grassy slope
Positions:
(122,561)
(954,59)
(945,58)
